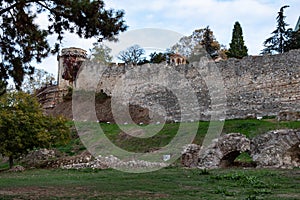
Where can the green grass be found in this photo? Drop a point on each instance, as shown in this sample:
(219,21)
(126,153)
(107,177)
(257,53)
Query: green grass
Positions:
(169,183)
(244,157)
(74,146)
(253,127)
(248,127)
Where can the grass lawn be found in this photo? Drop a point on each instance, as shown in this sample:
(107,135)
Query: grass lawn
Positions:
(169,183)
(248,127)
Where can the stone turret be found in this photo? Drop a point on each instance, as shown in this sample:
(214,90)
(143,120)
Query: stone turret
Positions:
(69,63)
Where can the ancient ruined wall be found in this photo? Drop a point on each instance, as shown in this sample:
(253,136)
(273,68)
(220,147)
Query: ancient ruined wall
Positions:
(262,85)
(254,86)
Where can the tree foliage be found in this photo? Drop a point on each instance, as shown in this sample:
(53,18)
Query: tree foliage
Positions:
(281,35)
(200,37)
(101,53)
(158,57)
(23,126)
(132,55)
(186,44)
(209,42)
(23,40)
(39,79)
(237,48)
(294,40)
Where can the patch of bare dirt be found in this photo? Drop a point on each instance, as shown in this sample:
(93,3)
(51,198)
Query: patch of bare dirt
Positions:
(35,193)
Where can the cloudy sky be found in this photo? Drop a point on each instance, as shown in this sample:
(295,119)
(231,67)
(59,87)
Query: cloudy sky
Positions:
(257,18)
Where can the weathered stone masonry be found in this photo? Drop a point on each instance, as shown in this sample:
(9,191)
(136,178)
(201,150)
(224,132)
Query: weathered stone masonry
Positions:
(255,86)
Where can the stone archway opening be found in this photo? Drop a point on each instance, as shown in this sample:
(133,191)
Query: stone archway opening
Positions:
(228,159)
(237,159)
(223,151)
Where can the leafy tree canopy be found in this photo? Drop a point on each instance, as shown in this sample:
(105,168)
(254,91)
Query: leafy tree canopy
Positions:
(237,48)
(158,57)
(101,53)
(200,38)
(132,55)
(23,126)
(39,79)
(186,44)
(210,43)
(23,40)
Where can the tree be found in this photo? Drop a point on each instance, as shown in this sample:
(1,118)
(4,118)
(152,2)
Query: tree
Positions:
(39,79)
(23,41)
(209,42)
(143,61)
(281,35)
(294,41)
(223,52)
(237,47)
(158,57)
(186,44)
(101,53)
(132,55)
(23,126)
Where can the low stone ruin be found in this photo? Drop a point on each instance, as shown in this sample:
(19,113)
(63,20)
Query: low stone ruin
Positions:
(190,155)
(84,157)
(17,168)
(274,149)
(223,151)
(277,149)
(101,162)
(288,116)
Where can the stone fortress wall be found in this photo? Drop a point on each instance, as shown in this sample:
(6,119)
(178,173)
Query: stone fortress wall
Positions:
(255,86)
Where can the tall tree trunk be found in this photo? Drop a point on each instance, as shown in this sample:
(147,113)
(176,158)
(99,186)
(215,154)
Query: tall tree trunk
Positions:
(11,162)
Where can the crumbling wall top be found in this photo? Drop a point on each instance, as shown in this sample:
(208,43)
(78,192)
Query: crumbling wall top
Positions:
(73,51)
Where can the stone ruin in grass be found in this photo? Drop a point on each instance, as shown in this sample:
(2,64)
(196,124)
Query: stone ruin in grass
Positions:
(277,149)
(274,149)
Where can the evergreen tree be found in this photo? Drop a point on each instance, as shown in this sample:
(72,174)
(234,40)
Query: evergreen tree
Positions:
(237,46)
(294,41)
(281,35)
